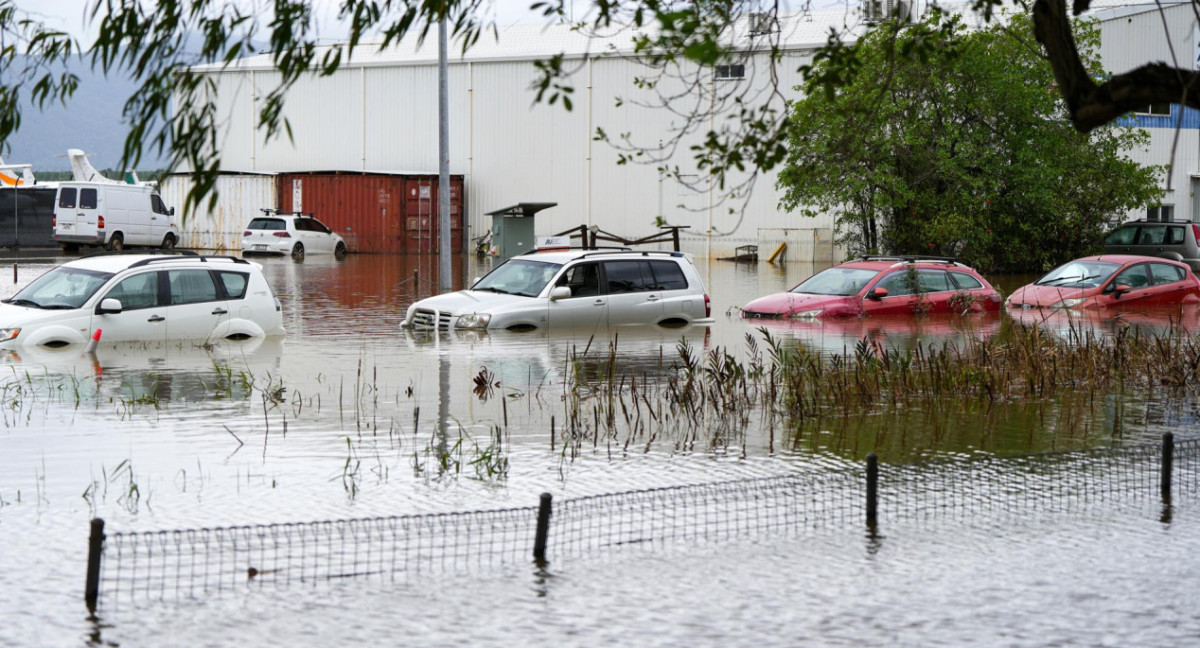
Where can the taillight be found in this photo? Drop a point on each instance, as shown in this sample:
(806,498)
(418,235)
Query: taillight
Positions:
(246,233)
(54,220)
(283,235)
(99,222)
(1196,231)
(707,306)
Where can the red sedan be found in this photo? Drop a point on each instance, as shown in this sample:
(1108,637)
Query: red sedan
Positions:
(1111,281)
(882,285)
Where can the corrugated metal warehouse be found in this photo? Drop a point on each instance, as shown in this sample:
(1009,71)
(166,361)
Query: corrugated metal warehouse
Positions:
(379,112)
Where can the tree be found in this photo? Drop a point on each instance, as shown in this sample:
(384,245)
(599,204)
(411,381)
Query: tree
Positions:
(950,141)
(156,43)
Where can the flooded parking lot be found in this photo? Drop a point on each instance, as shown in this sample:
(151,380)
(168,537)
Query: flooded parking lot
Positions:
(339,419)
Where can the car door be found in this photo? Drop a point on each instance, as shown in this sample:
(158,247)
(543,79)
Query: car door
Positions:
(322,236)
(632,298)
(586,307)
(1136,277)
(935,290)
(143,316)
(196,307)
(1168,285)
(901,299)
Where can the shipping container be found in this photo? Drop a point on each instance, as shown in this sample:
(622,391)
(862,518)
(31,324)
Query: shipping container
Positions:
(27,216)
(240,197)
(377,212)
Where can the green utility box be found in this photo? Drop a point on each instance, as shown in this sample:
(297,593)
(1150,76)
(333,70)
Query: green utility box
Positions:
(512,228)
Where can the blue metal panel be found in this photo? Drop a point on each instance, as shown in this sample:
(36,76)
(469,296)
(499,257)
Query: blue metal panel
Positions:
(1191,119)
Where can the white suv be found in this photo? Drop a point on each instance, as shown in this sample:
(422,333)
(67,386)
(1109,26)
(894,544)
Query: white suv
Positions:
(574,289)
(294,233)
(143,298)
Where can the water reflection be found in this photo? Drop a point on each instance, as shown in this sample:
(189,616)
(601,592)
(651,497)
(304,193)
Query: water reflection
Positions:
(843,335)
(1075,326)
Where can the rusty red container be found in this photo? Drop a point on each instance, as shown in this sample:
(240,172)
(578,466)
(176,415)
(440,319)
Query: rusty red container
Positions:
(377,213)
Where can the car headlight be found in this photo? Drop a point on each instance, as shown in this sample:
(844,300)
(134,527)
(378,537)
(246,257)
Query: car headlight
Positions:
(808,314)
(1070,303)
(7,334)
(473,321)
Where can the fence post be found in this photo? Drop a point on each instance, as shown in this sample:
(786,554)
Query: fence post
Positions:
(872,490)
(1168,461)
(675,237)
(417,282)
(91,591)
(543,529)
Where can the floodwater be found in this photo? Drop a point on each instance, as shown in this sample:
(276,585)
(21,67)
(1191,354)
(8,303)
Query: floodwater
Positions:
(339,420)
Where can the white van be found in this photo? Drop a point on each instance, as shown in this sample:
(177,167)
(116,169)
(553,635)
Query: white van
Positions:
(112,215)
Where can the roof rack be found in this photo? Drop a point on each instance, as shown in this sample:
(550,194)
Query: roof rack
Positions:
(272,211)
(191,257)
(611,249)
(908,258)
(168,253)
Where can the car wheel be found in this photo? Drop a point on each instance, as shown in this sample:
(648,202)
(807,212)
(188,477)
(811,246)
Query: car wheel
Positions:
(168,242)
(298,252)
(70,248)
(339,252)
(116,243)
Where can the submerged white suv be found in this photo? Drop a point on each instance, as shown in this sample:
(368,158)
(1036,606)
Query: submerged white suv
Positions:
(574,289)
(142,298)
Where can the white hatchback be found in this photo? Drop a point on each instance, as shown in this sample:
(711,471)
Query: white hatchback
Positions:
(574,289)
(142,298)
(295,233)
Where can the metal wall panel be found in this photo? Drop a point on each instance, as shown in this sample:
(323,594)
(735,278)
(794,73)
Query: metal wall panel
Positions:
(240,197)
(326,117)
(376,213)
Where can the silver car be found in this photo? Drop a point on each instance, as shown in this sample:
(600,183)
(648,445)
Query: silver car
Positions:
(1175,240)
(574,289)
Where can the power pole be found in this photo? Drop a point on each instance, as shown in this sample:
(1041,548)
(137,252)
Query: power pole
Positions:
(443,162)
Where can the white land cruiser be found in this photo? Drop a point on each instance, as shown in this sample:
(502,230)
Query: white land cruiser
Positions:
(143,298)
(574,289)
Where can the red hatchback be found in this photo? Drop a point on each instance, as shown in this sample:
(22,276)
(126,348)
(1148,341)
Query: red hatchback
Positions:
(882,285)
(1111,281)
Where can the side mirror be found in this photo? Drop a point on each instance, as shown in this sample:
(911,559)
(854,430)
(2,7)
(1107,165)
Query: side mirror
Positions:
(560,292)
(877,293)
(1121,289)
(171,211)
(109,305)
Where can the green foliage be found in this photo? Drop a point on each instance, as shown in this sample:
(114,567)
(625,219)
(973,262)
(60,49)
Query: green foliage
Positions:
(940,140)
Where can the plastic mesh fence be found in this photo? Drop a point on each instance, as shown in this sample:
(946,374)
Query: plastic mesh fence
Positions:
(200,562)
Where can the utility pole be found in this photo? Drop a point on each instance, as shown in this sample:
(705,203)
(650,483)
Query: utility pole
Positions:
(443,162)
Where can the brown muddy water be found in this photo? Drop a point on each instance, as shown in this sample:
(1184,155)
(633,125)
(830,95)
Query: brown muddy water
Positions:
(339,419)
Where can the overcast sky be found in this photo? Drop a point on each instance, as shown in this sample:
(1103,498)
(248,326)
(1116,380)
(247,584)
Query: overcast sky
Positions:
(70,15)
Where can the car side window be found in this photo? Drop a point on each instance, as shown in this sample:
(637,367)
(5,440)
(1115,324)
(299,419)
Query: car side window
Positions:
(1134,277)
(191,286)
(87,199)
(965,281)
(933,281)
(627,276)
(138,291)
(157,205)
(1152,235)
(318,226)
(1174,235)
(234,283)
(302,225)
(66,197)
(582,279)
(1122,236)
(898,283)
(1164,273)
(668,276)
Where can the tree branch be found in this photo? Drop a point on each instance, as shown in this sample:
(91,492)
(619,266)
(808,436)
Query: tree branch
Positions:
(1091,105)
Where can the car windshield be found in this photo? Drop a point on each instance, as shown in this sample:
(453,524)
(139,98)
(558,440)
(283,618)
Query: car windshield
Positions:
(836,281)
(62,287)
(519,277)
(1079,274)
